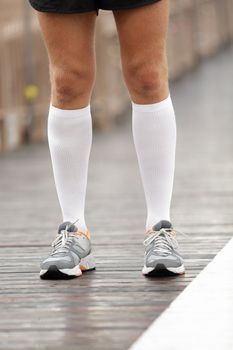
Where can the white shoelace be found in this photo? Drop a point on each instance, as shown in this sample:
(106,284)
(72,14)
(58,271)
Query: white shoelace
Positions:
(164,241)
(63,239)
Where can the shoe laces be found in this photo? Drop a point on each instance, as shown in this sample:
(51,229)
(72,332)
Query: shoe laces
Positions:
(163,241)
(63,240)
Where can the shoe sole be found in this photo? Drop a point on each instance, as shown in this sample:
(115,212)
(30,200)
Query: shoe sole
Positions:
(162,270)
(53,272)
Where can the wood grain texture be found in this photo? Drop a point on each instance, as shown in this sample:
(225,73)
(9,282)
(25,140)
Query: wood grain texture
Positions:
(109,308)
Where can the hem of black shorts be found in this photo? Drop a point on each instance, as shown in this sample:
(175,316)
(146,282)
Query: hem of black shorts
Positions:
(111,8)
(118,8)
(41,9)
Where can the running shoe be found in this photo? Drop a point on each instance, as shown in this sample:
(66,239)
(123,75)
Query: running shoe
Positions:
(161,251)
(70,256)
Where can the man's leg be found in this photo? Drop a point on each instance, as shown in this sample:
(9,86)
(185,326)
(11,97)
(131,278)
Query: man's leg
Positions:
(142,33)
(70,43)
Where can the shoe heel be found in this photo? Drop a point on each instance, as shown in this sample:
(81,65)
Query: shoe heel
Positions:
(87,263)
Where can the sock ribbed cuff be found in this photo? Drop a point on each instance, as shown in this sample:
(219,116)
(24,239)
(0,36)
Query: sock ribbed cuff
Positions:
(154,107)
(69,112)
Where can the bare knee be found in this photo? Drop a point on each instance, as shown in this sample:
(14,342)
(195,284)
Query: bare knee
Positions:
(71,88)
(147,83)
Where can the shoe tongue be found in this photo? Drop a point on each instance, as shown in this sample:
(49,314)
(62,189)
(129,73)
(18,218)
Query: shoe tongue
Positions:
(64,225)
(162,224)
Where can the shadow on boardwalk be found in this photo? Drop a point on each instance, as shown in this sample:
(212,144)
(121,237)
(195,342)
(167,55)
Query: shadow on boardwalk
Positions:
(109,308)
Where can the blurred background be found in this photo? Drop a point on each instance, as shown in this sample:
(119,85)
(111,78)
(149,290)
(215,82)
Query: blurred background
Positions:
(198,29)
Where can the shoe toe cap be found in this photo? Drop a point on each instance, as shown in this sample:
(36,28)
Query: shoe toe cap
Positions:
(168,261)
(61,262)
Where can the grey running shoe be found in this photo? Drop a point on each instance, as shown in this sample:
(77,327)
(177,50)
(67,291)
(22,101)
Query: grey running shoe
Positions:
(71,254)
(161,255)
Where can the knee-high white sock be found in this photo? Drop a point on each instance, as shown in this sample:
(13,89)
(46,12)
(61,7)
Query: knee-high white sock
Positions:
(70,138)
(154,131)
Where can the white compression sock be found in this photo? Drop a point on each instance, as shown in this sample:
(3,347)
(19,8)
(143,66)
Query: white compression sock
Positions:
(70,138)
(154,131)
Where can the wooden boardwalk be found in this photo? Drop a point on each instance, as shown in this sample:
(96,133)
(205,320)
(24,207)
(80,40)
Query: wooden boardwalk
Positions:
(109,308)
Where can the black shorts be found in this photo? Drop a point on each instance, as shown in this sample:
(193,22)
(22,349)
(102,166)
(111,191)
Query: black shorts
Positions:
(78,6)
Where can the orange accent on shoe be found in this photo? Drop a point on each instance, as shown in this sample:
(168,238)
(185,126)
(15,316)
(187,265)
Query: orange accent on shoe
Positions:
(150,232)
(82,268)
(85,234)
